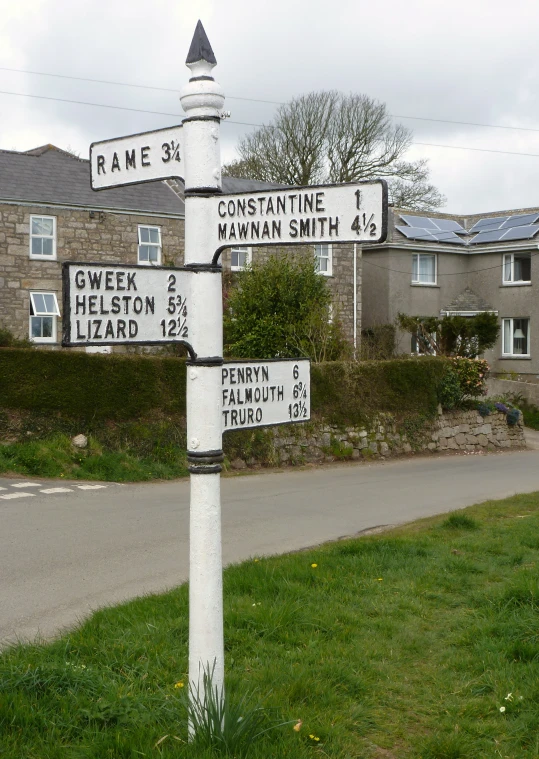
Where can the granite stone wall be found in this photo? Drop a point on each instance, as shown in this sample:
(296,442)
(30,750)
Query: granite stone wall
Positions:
(465,431)
(109,237)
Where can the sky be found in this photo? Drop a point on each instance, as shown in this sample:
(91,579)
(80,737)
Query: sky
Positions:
(433,64)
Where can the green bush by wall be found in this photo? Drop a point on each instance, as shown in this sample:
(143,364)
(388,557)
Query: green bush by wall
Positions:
(116,388)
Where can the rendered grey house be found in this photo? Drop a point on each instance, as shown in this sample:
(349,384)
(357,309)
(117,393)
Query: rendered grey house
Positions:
(49,214)
(440,264)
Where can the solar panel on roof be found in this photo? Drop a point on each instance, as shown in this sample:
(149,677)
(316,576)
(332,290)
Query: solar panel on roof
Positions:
(416,233)
(450,237)
(525,232)
(486,225)
(494,235)
(521,221)
(419,222)
(448,225)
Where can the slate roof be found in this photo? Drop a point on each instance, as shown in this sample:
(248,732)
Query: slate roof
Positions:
(467,301)
(50,175)
(231,185)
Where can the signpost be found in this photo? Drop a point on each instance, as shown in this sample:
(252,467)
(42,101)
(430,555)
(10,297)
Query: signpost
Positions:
(262,393)
(138,158)
(112,304)
(355,212)
(117,304)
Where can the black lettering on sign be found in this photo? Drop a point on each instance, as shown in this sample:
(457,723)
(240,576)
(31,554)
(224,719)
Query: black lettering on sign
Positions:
(94,278)
(145,158)
(130,159)
(80,282)
(119,280)
(120,328)
(115,304)
(109,330)
(80,303)
(133,328)
(138,305)
(150,304)
(131,280)
(258,414)
(115,163)
(80,336)
(171,283)
(126,299)
(97,326)
(92,307)
(108,280)
(320,202)
(102,307)
(293,228)
(222,231)
(252,206)
(334,227)
(101,164)
(221,208)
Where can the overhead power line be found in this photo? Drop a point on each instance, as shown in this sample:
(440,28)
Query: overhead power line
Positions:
(240,123)
(258,100)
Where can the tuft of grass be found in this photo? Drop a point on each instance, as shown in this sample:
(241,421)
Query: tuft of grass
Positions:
(403,644)
(459,521)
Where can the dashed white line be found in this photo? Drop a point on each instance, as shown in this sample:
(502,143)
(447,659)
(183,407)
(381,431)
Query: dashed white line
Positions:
(3,488)
(16,495)
(49,491)
(26,485)
(90,487)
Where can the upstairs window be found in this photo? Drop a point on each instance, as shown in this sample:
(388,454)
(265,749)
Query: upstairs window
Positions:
(43,312)
(323,259)
(240,258)
(423,269)
(149,245)
(43,237)
(516,337)
(517,267)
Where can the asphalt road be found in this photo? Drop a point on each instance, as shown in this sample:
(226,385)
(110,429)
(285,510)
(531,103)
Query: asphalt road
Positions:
(66,550)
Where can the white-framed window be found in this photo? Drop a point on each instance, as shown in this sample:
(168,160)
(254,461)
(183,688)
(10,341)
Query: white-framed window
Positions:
(240,258)
(43,237)
(43,312)
(149,245)
(423,268)
(517,267)
(516,337)
(323,257)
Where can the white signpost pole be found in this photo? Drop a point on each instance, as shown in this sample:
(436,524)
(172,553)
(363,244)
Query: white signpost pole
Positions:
(202,99)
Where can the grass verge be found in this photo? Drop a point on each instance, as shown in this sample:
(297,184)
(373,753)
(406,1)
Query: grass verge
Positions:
(55,456)
(421,642)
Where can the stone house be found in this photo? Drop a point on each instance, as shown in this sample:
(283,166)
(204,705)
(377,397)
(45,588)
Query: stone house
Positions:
(438,264)
(49,214)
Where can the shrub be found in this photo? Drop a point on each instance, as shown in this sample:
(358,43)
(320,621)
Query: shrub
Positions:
(449,390)
(472,374)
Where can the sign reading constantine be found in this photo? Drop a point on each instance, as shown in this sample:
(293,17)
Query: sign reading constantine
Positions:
(112,304)
(259,393)
(355,212)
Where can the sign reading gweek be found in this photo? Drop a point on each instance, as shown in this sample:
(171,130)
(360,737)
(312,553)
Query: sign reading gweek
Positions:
(137,158)
(261,393)
(111,304)
(355,212)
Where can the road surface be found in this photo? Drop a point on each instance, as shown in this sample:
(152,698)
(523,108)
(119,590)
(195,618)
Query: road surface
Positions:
(69,548)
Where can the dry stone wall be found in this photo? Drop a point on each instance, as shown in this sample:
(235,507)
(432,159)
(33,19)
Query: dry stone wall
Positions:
(464,431)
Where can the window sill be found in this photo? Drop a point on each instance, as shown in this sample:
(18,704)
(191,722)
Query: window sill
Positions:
(425,284)
(43,258)
(325,274)
(516,284)
(515,358)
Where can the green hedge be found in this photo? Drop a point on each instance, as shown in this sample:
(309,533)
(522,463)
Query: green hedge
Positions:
(82,386)
(350,393)
(85,386)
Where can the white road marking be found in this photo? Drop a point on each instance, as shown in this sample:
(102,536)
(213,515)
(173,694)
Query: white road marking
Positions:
(3,488)
(90,487)
(49,491)
(26,485)
(16,495)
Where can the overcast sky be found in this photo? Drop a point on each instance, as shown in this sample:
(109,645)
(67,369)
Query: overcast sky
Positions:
(466,61)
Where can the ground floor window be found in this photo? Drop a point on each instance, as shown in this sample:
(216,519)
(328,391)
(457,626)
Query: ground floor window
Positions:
(516,337)
(240,258)
(43,312)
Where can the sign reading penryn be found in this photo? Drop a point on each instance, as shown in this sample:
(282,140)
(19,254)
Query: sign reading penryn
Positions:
(260,393)
(111,304)
(137,158)
(355,212)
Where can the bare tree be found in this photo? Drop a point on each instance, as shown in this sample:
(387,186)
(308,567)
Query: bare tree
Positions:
(330,137)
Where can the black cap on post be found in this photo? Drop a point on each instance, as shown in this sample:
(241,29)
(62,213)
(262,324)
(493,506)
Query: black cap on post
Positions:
(200,49)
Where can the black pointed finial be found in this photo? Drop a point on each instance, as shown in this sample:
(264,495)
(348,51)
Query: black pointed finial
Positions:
(200,49)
